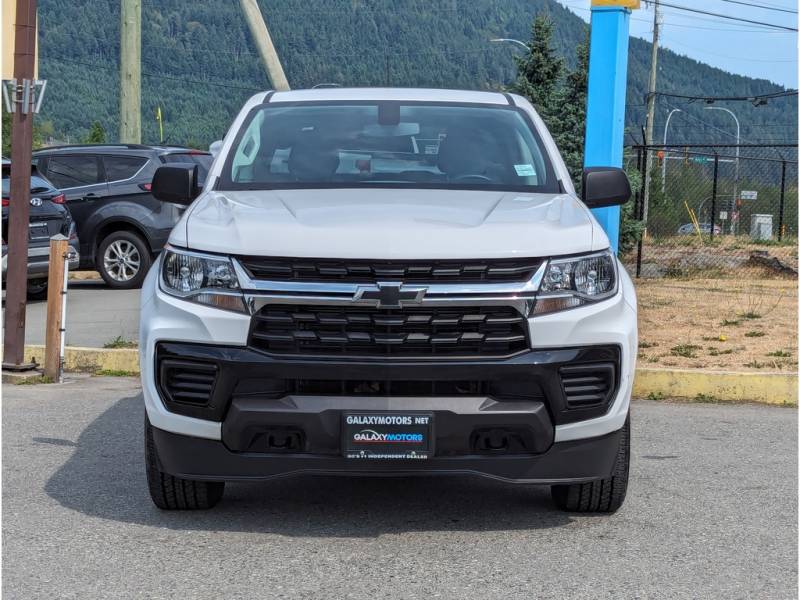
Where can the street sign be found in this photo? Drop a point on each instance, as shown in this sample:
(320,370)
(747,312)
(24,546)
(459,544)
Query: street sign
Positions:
(748,195)
(701,159)
(723,215)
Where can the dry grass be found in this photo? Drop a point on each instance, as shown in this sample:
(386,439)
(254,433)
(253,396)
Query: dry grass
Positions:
(689,257)
(84,276)
(719,324)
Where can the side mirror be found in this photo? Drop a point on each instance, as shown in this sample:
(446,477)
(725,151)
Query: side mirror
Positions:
(214,148)
(177,184)
(605,186)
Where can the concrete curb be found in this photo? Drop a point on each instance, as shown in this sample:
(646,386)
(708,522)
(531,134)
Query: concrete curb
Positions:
(723,386)
(92,360)
(711,386)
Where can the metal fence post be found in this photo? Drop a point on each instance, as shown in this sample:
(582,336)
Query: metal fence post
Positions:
(642,157)
(714,195)
(783,196)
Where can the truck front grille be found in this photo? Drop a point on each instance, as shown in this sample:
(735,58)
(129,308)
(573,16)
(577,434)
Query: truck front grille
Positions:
(370,271)
(460,331)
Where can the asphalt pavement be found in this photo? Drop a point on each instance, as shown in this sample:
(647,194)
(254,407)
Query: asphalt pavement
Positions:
(711,513)
(96,315)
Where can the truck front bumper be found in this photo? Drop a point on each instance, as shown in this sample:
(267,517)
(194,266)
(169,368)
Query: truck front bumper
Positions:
(209,460)
(255,396)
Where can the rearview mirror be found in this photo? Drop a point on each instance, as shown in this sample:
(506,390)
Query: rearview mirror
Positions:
(605,186)
(177,184)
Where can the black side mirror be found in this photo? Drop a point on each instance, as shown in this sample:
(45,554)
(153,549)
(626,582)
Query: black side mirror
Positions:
(177,184)
(605,186)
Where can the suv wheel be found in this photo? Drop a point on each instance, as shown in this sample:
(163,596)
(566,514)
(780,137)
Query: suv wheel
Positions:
(37,289)
(123,260)
(603,495)
(173,493)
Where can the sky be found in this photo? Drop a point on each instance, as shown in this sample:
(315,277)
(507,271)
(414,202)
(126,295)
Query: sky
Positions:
(741,48)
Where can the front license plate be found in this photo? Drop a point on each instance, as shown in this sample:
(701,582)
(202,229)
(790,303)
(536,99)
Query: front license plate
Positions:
(378,436)
(37,231)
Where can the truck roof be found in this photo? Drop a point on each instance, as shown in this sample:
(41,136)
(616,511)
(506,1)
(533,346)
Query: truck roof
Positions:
(399,94)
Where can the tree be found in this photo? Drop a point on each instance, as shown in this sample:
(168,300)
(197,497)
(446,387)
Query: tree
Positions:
(569,122)
(97,135)
(41,131)
(539,71)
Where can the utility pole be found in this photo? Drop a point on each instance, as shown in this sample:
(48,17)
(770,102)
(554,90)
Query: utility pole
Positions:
(130,72)
(263,41)
(651,107)
(20,188)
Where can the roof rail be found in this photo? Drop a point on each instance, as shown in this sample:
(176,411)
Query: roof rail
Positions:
(65,146)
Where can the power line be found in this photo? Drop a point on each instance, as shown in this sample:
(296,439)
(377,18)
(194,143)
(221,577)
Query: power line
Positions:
(763,6)
(723,16)
(710,99)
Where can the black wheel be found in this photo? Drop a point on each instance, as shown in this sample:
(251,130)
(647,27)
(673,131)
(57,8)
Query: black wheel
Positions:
(603,495)
(37,289)
(123,260)
(173,493)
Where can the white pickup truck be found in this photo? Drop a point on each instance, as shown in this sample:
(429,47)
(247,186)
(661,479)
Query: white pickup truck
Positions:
(388,282)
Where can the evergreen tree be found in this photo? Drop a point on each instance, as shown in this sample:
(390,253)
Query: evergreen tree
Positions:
(539,72)
(569,123)
(97,135)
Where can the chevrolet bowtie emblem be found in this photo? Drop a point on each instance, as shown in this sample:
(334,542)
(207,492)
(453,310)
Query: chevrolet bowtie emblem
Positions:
(389,294)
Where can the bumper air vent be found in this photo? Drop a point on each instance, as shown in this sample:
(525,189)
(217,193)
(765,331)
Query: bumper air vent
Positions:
(589,385)
(189,383)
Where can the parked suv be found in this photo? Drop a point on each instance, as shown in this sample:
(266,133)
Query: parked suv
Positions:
(388,282)
(120,225)
(48,216)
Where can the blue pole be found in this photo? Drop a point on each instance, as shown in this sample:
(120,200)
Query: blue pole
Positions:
(605,108)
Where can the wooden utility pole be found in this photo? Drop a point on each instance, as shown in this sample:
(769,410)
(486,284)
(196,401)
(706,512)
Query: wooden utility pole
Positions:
(59,246)
(130,72)
(651,108)
(266,49)
(20,189)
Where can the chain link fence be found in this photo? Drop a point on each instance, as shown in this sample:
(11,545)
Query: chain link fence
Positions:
(714,210)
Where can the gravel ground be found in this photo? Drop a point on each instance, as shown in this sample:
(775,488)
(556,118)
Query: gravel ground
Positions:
(711,513)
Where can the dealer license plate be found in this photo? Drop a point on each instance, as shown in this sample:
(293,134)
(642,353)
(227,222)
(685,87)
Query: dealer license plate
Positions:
(37,231)
(380,436)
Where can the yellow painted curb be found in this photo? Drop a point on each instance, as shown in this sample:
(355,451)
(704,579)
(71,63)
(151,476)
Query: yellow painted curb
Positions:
(768,388)
(92,360)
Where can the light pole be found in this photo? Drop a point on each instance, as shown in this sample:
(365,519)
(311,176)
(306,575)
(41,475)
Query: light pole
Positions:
(512,41)
(736,176)
(664,162)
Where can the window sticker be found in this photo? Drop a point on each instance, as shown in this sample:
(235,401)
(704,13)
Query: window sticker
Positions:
(525,170)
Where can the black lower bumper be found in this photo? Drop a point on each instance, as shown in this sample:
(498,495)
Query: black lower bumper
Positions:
(565,462)
(284,415)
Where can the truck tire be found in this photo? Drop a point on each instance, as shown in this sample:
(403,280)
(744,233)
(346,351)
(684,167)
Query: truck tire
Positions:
(603,495)
(123,259)
(173,493)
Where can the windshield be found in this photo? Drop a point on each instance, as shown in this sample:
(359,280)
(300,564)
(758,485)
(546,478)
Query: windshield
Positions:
(388,144)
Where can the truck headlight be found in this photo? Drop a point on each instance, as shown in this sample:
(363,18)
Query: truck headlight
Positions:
(201,278)
(575,281)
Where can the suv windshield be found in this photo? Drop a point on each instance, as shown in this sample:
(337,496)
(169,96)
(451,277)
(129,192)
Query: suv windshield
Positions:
(388,144)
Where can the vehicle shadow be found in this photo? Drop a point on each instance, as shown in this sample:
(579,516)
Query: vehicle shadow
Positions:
(104,478)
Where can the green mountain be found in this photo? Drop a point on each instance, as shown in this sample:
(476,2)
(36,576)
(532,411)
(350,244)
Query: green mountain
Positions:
(199,64)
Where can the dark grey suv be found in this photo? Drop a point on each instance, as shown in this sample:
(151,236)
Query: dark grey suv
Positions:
(120,225)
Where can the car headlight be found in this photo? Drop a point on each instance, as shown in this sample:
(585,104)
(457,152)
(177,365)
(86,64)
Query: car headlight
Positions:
(201,278)
(575,281)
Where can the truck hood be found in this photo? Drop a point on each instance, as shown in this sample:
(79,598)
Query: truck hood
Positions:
(388,224)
